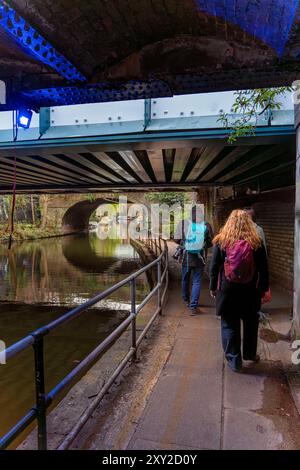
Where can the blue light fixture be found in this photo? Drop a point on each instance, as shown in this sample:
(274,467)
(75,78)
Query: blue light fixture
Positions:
(24,118)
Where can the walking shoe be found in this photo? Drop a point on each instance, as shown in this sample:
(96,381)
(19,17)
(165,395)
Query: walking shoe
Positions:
(238,369)
(193,312)
(263,317)
(255,359)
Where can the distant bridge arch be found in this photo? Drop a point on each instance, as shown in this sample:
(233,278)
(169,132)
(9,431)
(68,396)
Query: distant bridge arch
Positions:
(76,218)
(71,214)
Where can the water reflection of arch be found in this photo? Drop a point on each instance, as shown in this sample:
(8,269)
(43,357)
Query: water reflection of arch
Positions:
(80,251)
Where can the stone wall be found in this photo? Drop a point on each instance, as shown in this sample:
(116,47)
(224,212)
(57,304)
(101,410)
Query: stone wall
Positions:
(297,232)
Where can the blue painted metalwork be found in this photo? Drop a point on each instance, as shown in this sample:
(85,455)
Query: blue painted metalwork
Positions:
(35,44)
(270,132)
(101,92)
(44,120)
(193,114)
(268,20)
(147,113)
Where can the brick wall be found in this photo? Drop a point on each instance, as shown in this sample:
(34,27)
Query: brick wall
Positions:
(275,212)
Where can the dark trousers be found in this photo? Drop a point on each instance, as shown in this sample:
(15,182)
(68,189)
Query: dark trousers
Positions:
(196,274)
(231,337)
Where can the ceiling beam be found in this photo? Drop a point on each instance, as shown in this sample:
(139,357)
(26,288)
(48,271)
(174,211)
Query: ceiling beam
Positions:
(215,161)
(232,159)
(157,163)
(107,187)
(63,161)
(113,166)
(276,163)
(118,158)
(142,155)
(28,166)
(236,160)
(182,156)
(53,164)
(207,155)
(251,160)
(144,141)
(101,167)
(30,177)
(192,162)
(168,160)
(86,164)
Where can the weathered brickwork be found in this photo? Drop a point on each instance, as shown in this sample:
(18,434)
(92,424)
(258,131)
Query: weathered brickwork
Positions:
(192,45)
(71,213)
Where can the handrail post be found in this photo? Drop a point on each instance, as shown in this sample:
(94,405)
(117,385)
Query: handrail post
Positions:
(38,347)
(159,286)
(166,256)
(133,321)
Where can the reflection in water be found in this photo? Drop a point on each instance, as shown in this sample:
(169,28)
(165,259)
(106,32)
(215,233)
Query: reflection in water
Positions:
(67,270)
(39,281)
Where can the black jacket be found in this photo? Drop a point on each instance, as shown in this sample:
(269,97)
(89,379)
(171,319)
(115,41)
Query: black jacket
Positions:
(238,297)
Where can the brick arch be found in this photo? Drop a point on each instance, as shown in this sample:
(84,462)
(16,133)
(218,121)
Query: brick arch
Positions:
(195,54)
(75,218)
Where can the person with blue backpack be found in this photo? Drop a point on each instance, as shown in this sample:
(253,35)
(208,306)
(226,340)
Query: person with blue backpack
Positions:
(239,280)
(196,239)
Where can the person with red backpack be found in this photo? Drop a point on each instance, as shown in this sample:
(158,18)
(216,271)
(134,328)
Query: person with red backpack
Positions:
(238,280)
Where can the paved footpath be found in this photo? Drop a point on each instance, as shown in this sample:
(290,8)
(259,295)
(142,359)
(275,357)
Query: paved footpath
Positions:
(198,403)
(187,398)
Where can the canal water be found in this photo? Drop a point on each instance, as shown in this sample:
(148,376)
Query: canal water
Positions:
(42,279)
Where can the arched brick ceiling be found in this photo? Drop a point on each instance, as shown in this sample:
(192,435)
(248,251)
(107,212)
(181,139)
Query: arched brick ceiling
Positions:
(165,46)
(97,35)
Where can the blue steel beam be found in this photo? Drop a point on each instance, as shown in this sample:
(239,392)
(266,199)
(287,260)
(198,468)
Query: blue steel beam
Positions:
(98,93)
(263,134)
(35,45)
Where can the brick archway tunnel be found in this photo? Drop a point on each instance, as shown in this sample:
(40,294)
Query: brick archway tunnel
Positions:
(71,213)
(76,218)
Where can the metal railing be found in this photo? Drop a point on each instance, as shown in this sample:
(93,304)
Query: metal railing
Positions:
(36,339)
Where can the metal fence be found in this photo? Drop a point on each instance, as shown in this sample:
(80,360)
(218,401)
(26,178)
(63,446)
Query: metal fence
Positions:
(36,340)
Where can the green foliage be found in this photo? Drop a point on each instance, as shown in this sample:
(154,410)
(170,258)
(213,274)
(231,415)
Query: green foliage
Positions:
(170,198)
(248,106)
(91,197)
(25,231)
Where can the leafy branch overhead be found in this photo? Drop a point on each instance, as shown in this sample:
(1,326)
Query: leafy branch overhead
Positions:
(248,106)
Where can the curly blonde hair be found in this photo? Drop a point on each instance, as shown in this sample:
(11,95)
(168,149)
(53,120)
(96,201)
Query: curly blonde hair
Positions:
(239,226)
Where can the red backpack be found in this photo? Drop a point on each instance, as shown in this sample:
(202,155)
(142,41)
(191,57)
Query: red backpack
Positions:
(239,262)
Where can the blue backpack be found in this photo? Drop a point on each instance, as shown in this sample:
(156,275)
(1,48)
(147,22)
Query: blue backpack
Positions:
(194,240)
